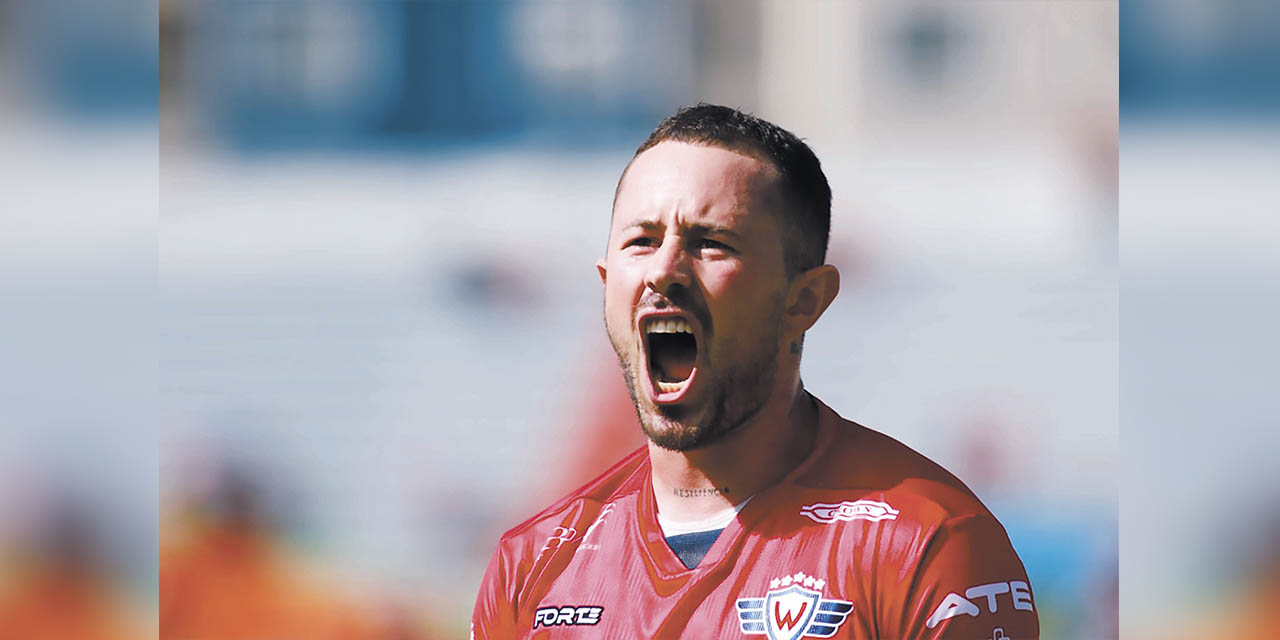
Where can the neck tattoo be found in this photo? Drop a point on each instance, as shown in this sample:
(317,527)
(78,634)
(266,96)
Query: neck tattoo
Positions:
(698,493)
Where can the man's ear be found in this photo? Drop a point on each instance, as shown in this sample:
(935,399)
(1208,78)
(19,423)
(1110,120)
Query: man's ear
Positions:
(600,268)
(809,296)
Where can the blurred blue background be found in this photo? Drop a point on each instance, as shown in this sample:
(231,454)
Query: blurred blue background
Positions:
(380,221)
(1199,57)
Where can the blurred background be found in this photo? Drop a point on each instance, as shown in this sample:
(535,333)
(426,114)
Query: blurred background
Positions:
(377,333)
(377,338)
(78,208)
(379,321)
(1200,510)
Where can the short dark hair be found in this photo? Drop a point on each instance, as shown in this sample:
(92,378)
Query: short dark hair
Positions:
(807,226)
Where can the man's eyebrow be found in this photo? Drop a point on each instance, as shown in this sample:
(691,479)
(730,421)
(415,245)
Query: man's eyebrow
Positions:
(697,229)
(644,225)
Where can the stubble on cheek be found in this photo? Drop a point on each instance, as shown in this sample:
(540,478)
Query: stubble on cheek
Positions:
(625,360)
(663,425)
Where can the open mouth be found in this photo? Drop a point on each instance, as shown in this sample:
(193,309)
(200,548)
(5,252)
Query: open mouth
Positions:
(671,350)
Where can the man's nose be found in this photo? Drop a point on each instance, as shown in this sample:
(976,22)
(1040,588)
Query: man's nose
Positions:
(669,266)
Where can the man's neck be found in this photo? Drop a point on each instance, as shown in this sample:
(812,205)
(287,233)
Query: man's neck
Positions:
(692,485)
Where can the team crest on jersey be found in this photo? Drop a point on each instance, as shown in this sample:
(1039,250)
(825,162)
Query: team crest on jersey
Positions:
(849,511)
(793,608)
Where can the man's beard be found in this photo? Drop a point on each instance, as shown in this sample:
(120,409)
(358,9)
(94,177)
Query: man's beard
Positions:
(735,395)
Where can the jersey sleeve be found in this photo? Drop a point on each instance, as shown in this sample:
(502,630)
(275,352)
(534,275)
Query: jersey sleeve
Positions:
(969,584)
(494,615)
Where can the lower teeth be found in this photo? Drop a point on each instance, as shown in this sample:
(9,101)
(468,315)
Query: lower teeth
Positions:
(668,387)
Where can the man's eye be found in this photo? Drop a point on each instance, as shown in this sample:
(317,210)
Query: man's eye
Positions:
(640,242)
(707,243)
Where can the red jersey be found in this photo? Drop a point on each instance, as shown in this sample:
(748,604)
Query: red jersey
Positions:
(864,539)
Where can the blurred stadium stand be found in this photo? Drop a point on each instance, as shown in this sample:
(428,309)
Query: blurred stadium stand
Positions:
(1201,114)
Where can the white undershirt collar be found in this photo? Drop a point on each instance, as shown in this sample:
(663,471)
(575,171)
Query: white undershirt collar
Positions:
(716,522)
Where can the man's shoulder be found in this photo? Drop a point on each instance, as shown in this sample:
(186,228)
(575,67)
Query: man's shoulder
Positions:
(867,461)
(620,480)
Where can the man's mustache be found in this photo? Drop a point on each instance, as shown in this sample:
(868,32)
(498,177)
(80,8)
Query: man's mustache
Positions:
(678,299)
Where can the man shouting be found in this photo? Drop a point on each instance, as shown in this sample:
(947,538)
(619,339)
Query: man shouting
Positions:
(754,509)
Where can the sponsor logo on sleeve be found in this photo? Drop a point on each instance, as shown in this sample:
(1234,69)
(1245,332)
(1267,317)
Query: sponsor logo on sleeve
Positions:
(793,608)
(569,615)
(848,511)
(982,596)
(559,537)
(590,546)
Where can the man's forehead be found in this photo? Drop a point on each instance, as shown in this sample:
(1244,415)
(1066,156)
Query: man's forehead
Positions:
(685,162)
(695,180)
